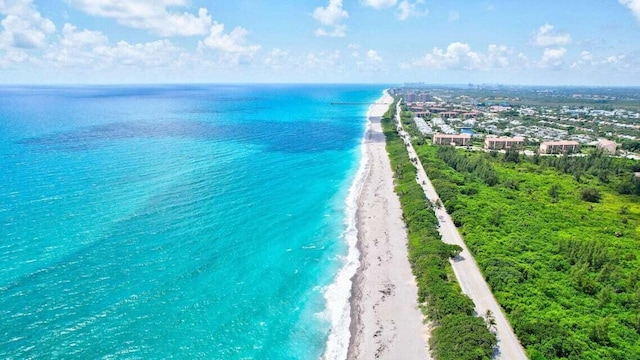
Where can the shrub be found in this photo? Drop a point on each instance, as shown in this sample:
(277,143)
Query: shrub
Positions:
(591,195)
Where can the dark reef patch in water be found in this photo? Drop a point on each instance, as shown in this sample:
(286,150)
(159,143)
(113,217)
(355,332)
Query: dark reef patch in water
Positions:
(278,136)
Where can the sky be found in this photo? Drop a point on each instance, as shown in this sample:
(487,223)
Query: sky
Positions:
(524,42)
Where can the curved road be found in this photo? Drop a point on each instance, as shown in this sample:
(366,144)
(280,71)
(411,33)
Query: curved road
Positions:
(469,276)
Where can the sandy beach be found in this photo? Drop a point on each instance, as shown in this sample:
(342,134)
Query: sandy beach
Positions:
(386,322)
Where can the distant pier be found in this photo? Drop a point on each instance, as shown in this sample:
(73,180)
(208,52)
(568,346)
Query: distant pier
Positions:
(353,103)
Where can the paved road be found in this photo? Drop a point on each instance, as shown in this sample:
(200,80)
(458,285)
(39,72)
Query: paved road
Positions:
(469,276)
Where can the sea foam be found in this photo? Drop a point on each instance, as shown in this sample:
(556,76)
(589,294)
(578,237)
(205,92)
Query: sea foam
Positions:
(337,294)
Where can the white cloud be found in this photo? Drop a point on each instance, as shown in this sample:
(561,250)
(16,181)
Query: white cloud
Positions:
(408,9)
(404,10)
(23,26)
(331,17)
(633,5)
(373,56)
(91,50)
(151,15)
(589,60)
(77,48)
(234,42)
(552,57)
(322,60)
(586,56)
(498,56)
(304,63)
(489,6)
(159,53)
(616,59)
(546,36)
(457,56)
(453,15)
(73,38)
(13,56)
(277,59)
(380,4)
(460,56)
(337,31)
(85,49)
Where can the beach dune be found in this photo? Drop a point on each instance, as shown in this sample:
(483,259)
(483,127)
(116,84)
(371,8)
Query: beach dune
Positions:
(386,322)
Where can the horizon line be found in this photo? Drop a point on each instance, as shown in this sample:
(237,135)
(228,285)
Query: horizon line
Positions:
(404,84)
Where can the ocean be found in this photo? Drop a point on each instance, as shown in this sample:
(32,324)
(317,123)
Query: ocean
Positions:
(185,222)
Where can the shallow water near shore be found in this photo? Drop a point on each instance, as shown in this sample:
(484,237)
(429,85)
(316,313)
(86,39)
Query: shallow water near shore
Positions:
(174,221)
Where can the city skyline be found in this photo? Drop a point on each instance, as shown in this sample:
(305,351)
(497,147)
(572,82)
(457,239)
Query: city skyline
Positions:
(335,41)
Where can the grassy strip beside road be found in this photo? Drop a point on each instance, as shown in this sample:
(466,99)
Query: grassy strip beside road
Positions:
(458,334)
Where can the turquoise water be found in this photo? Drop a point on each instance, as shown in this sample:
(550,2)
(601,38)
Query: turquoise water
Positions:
(173,221)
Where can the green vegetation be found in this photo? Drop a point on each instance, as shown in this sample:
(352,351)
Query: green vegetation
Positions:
(631,145)
(458,333)
(558,242)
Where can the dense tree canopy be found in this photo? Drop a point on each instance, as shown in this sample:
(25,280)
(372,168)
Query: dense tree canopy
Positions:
(566,270)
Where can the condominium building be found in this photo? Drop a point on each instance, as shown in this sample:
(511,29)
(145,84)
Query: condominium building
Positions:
(559,147)
(607,146)
(500,143)
(452,139)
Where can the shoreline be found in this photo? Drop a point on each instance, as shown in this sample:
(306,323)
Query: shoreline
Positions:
(338,295)
(385,319)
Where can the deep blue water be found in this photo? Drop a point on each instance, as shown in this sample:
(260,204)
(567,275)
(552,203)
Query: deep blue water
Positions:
(173,221)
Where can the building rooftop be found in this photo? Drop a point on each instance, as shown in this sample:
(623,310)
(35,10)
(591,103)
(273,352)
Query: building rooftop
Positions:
(605,142)
(454,136)
(502,138)
(560,142)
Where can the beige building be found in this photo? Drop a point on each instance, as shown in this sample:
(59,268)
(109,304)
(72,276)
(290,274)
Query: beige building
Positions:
(452,139)
(500,143)
(559,147)
(607,146)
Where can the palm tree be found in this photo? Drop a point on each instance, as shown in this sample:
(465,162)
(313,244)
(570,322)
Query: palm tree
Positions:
(490,320)
(438,204)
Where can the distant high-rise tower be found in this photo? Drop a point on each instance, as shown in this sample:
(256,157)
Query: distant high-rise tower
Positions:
(410,97)
(424,97)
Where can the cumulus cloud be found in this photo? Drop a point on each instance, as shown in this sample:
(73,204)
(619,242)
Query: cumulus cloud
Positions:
(13,56)
(159,53)
(75,48)
(277,59)
(92,50)
(457,56)
(151,15)
(546,36)
(305,63)
(553,57)
(589,60)
(404,9)
(373,56)
(460,56)
(72,38)
(633,5)
(23,26)
(336,31)
(408,9)
(380,4)
(330,18)
(498,57)
(321,60)
(234,42)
